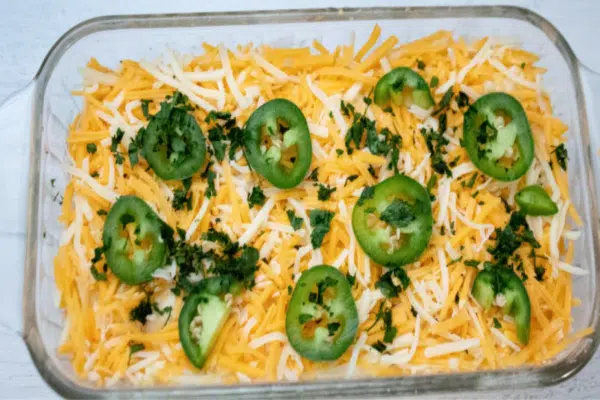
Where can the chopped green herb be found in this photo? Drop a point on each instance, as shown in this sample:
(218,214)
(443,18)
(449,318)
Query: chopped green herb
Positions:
(351,178)
(386,283)
(497,324)
(562,156)
(321,222)
(434,82)
(332,327)
(509,239)
(454,261)
(351,279)
(436,144)
(372,171)
(135,347)
(462,100)
(295,221)
(420,65)
(367,194)
(256,197)
(539,273)
(324,192)
(472,180)
(102,212)
(210,177)
(314,175)
(398,214)
(141,311)
(472,263)
(379,346)
(445,102)
(116,140)
(91,148)
(304,318)
(99,276)
(145,104)
(339,152)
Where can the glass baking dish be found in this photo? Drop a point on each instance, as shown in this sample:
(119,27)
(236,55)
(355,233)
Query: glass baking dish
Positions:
(37,118)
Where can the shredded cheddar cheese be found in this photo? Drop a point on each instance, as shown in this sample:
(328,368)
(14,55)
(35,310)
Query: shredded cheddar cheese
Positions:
(440,326)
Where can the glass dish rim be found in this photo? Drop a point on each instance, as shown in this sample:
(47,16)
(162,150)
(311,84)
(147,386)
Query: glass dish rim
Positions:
(522,377)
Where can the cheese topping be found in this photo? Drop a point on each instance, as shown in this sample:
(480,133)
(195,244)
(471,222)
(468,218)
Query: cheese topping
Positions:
(440,328)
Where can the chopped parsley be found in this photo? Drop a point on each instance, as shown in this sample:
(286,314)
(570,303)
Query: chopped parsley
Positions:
(511,237)
(142,310)
(182,198)
(116,140)
(210,176)
(256,197)
(539,273)
(101,212)
(304,318)
(339,152)
(91,148)
(224,128)
(462,100)
(145,104)
(367,194)
(436,144)
(321,222)
(372,171)
(385,316)
(295,221)
(233,263)
(497,324)
(351,178)
(434,82)
(325,192)
(314,175)
(472,263)
(333,327)
(351,279)
(135,347)
(379,346)
(420,64)
(393,282)
(430,184)
(99,276)
(562,156)
(322,286)
(444,102)
(379,143)
(399,214)
(472,180)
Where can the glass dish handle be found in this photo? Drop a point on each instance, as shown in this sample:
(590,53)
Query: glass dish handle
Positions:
(15,133)
(591,89)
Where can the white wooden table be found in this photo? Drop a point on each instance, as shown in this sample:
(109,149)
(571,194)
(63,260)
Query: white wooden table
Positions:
(28,28)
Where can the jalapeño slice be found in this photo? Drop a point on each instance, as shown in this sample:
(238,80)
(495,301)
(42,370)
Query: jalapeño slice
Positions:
(403,86)
(497,136)
(322,318)
(393,225)
(135,240)
(277,142)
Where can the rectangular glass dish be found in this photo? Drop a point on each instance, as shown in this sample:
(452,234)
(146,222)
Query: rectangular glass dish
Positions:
(111,39)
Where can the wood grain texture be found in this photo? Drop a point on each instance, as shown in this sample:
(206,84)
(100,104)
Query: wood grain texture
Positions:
(29,28)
